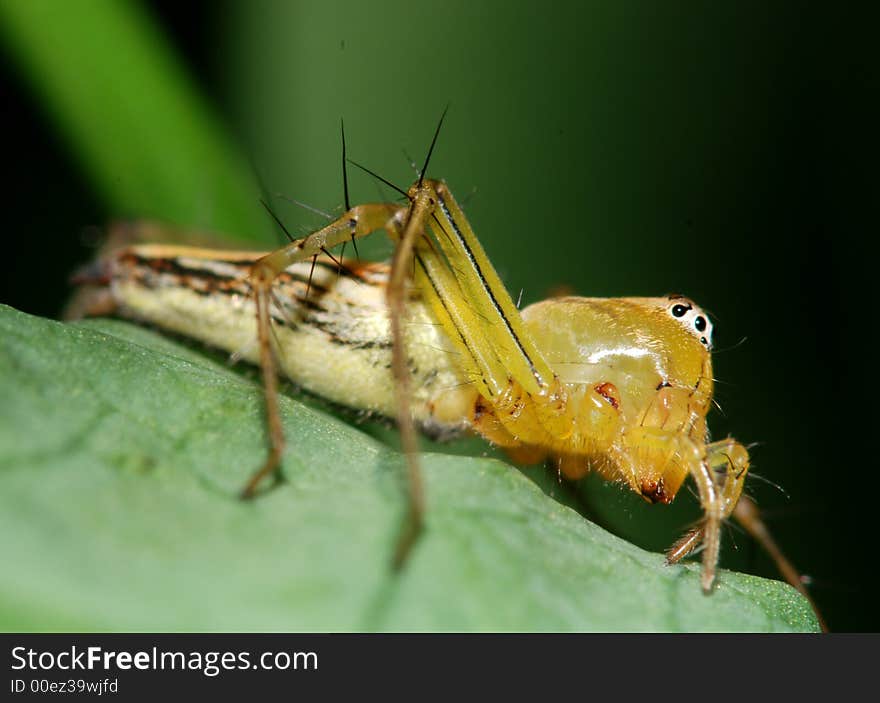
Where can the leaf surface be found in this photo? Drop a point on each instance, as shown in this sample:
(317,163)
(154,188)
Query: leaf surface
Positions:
(121,453)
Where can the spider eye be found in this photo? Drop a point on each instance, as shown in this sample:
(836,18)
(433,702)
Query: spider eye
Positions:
(700,323)
(679,310)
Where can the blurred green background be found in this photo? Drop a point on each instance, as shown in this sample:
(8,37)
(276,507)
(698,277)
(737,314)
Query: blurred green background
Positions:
(617,148)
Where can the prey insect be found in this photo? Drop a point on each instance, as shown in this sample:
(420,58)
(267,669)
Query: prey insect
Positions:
(617,386)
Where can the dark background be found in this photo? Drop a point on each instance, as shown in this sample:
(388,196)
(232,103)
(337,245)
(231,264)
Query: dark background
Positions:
(727,154)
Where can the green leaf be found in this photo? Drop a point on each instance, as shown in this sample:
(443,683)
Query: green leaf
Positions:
(116,92)
(121,453)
